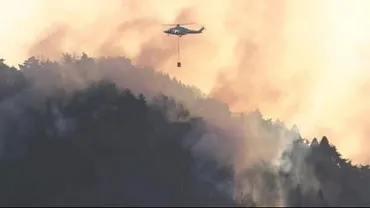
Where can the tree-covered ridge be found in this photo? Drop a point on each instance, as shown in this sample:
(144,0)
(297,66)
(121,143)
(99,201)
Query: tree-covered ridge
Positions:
(87,131)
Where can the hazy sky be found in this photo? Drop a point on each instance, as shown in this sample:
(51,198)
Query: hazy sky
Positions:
(304,61)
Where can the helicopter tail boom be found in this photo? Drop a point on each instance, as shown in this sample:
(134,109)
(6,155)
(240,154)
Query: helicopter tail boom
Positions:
(196,31)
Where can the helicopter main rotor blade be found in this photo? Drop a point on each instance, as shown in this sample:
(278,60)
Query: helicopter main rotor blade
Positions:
(191,23)
(179,24)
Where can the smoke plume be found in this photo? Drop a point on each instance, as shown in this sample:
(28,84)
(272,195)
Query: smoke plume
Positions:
(304,62)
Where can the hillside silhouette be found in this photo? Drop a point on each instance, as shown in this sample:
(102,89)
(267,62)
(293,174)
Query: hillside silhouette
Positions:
(99,131)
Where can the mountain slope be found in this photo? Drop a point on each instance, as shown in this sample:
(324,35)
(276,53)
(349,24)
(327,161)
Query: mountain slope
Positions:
(101,132)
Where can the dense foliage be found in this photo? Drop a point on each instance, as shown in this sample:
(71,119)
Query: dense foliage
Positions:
(80,133)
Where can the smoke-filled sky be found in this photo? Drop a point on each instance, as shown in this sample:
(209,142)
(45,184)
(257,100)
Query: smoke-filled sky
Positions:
(303,61)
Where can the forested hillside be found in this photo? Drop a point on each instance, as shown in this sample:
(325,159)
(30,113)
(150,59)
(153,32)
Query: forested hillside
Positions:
(100,132)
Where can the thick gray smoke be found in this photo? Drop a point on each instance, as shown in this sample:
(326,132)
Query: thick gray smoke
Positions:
(294,60)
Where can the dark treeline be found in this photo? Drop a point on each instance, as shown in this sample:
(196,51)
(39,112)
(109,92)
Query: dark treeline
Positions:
(98,132)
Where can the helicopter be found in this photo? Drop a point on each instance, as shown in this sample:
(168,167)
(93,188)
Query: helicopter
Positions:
(181,31)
